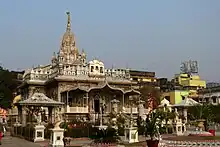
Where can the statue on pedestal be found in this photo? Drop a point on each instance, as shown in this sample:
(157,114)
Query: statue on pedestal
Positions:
(58,120)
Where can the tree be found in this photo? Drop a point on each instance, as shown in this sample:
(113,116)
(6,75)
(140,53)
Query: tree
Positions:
(203,111)
(150,92)
(6,87)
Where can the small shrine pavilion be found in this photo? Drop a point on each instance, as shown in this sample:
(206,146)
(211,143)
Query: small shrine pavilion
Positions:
(37,104)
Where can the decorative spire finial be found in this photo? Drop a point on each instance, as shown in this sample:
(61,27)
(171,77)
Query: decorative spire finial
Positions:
(68,21)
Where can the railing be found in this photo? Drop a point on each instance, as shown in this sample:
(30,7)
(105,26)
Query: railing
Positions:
(128,110)
(77,109)
(201,143)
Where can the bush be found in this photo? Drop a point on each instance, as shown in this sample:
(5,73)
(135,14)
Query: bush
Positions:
(77,129)
(121,131)
(109,135)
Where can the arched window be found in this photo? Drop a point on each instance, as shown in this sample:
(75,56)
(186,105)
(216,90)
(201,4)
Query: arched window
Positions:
(101,69)
(92,68)
(96,68)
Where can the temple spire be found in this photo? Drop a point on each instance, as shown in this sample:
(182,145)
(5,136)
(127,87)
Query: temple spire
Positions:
(68,28)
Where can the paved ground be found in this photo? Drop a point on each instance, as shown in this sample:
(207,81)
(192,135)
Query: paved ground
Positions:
(9,141)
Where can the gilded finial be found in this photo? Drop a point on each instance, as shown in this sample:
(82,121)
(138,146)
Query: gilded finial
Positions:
(68,21)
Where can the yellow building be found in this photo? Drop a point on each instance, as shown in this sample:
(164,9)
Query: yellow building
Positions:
(191,82)
(142,76)
(175,96)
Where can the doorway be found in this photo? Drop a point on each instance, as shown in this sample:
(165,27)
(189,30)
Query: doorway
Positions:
(96,106)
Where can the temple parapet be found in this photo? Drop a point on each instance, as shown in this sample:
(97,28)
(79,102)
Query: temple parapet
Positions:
(94,70)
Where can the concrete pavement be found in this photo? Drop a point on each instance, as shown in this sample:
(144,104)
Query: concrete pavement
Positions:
(9,141)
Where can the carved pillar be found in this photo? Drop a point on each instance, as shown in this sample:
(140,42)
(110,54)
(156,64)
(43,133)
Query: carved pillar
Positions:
(123,100)
(24,118)
(67,102)
(87,99)
(59,93)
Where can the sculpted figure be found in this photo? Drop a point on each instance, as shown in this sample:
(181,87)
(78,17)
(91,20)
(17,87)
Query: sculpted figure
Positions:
(58,120)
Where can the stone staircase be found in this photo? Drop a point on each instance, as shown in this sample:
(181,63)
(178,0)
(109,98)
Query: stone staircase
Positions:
(7,139)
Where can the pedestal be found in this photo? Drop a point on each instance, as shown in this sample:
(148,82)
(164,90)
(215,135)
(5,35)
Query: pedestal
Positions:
(131,135)
(56,138)
(179,129)
(15,128)
(39,133)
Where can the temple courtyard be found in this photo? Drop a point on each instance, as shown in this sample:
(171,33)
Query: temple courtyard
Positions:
(9,141)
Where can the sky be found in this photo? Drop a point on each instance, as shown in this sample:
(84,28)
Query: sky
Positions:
(153,35)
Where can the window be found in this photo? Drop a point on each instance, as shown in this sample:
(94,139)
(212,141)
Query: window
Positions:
(92,68)
(101,69)
(96,68)
(214,100)
(135,79)
(206,99)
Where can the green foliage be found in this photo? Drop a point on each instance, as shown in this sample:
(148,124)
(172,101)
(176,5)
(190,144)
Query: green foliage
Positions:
(120,122)
(6,87)
(154,123)
(140,125)
(215,111)
(203,111)
(108,135)
(167,115)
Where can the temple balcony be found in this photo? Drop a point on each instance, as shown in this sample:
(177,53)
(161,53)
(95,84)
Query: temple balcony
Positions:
(77,109)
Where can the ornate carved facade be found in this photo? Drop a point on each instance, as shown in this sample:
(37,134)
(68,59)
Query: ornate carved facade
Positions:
(80,84)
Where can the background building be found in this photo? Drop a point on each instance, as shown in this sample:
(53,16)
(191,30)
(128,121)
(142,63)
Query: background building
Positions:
(143,77)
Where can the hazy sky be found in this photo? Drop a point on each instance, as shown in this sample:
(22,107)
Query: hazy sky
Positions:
(154,35)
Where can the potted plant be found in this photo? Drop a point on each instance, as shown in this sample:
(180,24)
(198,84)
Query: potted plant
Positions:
(153,127)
